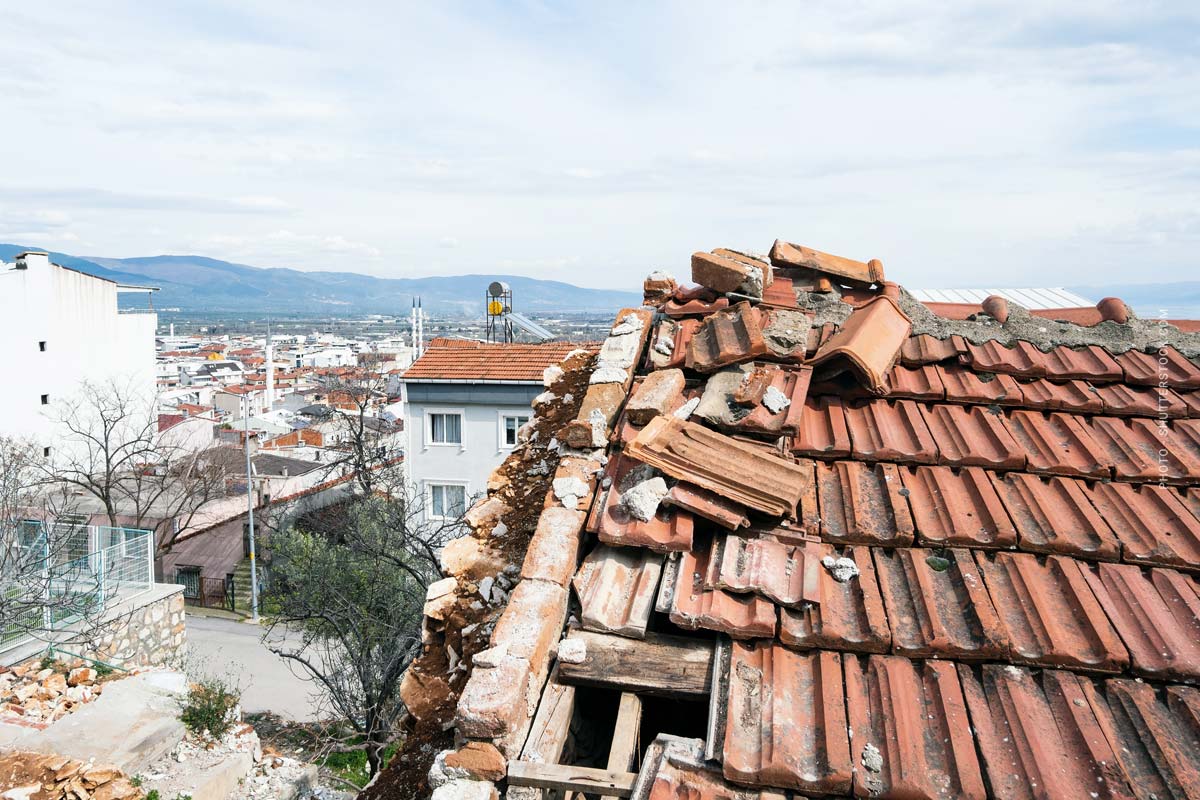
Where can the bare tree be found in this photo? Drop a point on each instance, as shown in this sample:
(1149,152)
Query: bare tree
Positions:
(111,451)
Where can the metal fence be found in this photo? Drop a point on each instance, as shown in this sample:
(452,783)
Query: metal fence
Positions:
(72,573)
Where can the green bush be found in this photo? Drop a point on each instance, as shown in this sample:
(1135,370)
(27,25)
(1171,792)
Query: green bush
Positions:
(209,706)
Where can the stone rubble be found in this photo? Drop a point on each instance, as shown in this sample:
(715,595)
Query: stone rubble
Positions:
(35,697)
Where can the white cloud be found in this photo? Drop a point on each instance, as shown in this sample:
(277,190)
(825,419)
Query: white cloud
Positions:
(964,143)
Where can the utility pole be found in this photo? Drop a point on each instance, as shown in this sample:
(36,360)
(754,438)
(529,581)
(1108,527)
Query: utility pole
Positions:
(250,512)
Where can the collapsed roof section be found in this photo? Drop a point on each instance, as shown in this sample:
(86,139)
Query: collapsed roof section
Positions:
(895,554)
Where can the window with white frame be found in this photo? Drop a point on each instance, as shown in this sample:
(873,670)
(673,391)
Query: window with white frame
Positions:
(444,427)
(447,500)
(509,425)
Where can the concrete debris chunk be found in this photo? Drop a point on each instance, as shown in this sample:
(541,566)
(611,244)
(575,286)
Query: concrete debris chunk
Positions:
(775,400)
(551,375)
(687,409)
(842,569)
(572,651)
(658,393)
(641,500)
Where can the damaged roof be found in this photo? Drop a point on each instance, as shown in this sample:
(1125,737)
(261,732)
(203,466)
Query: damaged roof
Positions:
(933,556)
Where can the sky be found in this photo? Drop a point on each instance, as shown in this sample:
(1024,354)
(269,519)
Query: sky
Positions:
(999,144)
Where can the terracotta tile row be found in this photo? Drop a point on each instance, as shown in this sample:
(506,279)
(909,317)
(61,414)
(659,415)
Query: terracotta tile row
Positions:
(668,530)
(689,597)
(867,344)
(617,587)
(884,726)
(1167,365)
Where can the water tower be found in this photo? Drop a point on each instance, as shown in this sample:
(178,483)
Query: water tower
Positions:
(499,306)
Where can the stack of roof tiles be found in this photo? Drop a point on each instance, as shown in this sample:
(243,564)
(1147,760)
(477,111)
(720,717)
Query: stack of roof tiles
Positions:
(943,567)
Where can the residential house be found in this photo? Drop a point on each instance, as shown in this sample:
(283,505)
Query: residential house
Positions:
(465,402)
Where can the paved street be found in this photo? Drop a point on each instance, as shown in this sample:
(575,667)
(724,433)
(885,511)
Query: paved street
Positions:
(228,648)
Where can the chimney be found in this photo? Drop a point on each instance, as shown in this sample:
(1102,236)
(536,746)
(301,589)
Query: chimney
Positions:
(32,258)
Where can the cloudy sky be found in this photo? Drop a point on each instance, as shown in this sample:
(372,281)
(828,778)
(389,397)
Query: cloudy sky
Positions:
(962,145)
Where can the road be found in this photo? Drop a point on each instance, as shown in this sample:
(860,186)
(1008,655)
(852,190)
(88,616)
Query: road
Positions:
(234,650)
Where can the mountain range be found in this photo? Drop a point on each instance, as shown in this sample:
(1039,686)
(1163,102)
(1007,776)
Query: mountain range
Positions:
(197,283)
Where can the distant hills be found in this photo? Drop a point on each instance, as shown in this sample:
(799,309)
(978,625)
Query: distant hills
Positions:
(196,283)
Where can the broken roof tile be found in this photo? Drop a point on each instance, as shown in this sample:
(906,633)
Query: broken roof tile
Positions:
(910,734)
(863,503)
(709,505)
(1022,358)
(1165,365)
(786,332)
(1049,614)
(726,337)
(1157,614)
(846,615)
(675,768)
(1121,400)
(617,588)
(972,436)
(868,343)
(785,254)
(1039,736)
(1089,363)
(1054,515)
(693,605)
(669,345)
(937,604)
(733,469)
(926,349)
(890,430)
(783,573)
(823,430)
(756,398)
(1155,735)
(785,719)
(667,531)
(1151,522)
(678,306)
(1058,443)
(660,392)
(1046,395)
(729,272)
(918,383)
(965,386)
(1142,450)
(957,508)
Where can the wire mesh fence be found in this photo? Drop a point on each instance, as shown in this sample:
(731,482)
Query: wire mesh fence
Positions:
(71,574)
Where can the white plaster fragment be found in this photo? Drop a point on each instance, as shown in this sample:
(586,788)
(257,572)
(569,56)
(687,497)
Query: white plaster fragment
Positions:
(492,657)
(572,651)
(642,499)
(872,759)
(842,569)
(686,410)
(551,374)
(631,324)
(775,400)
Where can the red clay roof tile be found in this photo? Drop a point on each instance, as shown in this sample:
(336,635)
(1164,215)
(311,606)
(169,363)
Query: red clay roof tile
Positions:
(782,573)
(863,503)
(937,604)
(468,360)
(785,719)
(741,400)
(617,588)
(694,307)
(1155,735)
(1150,369)
(694,605)
(972,436)
(735,470)
(918,383)
(667,531)
(1141,450)
(1046,395)
(1157,614)
(846,615)
(1049,614)
(1133,401)
(957,508)
(1151,522)
(1039,736)
(925,349)
(890,430)
(709,505)
(726,337)
(786,254)
(1192,401)
(823,430)
(1022,358)
(669,345)
(1058,443)
(965,386)
(1054,515)
(1089,363)
(913,716)
(867,344)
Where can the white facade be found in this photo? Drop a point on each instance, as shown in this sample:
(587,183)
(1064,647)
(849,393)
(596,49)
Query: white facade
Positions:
(60,328)
(457,434)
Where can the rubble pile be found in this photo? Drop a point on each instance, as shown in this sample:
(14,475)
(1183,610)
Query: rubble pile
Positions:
(34,776)
(34,697)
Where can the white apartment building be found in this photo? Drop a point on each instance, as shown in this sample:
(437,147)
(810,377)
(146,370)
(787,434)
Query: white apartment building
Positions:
(61,327)
(464,403)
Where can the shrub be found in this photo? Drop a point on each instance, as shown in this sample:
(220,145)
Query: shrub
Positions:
(209,707)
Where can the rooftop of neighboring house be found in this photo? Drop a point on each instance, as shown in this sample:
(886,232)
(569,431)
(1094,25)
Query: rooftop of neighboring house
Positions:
(233,460)
(893,552)
(470,361)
